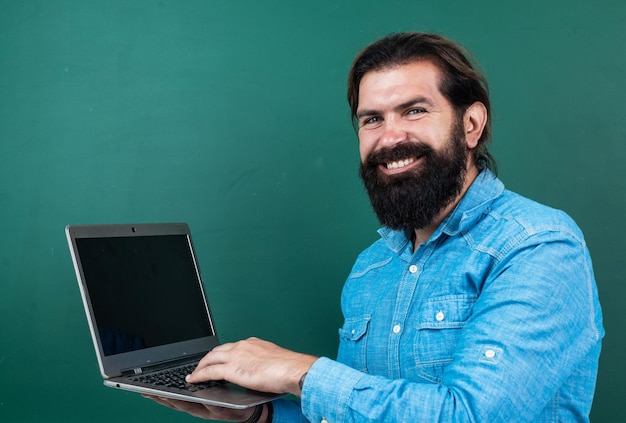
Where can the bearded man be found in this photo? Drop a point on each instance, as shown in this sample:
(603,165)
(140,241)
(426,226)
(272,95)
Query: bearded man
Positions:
(475,305)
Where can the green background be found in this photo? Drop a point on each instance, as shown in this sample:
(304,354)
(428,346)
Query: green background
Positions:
(231,116)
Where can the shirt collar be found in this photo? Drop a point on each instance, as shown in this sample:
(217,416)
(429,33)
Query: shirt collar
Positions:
(485,188)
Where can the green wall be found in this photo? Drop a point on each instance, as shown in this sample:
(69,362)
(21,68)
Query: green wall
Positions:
(231,116)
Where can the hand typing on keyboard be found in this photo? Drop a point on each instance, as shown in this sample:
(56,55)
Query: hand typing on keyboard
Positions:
(175,378)
(255,364)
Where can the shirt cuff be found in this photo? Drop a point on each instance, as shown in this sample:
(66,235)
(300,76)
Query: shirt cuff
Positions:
(327,389)
(287,411)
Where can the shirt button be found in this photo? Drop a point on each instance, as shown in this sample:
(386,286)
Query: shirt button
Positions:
(396,329)
(440,316)
(413,268)
(490,353)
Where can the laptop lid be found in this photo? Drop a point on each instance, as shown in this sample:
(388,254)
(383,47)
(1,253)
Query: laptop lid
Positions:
(143,294)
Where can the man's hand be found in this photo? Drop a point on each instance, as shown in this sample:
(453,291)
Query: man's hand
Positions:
(254,364)
(202,411)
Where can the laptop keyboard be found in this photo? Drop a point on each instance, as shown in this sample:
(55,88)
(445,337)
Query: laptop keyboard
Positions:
(175,378)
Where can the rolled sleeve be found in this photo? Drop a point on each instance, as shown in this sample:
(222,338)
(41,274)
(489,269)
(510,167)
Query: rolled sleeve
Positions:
(327,389)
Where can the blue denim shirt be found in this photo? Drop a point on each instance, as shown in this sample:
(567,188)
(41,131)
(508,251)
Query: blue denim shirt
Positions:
(495,318)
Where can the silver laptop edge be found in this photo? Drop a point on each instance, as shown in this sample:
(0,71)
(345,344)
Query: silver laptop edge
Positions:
(114,368)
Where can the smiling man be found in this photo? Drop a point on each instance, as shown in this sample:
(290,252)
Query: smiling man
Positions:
(414,146)
(475,305)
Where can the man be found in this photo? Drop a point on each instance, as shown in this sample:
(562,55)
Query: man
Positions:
(475,305)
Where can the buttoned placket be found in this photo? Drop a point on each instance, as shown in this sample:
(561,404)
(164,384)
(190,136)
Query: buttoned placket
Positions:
(404,300)
(408,297)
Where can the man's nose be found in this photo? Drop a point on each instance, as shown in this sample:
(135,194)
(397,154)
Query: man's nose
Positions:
(393,132)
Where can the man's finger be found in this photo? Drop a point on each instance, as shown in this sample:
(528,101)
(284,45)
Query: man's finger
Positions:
(204,374)
(159,400)
(214,356)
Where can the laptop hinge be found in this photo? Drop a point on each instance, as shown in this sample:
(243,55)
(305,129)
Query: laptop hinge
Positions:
(160,365)
(132,372)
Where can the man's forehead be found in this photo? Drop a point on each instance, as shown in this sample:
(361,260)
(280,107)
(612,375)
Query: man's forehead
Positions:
(410,73)
(399,81)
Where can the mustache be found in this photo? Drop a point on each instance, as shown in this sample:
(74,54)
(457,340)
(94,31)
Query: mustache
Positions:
(397,152)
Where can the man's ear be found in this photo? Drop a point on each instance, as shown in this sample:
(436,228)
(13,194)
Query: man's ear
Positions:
(474,121)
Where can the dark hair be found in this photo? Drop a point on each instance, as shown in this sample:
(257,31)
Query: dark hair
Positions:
(461,83)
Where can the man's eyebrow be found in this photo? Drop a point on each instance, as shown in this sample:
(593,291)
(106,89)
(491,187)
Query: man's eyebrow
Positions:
(404,105)
(414,102)
(363,113)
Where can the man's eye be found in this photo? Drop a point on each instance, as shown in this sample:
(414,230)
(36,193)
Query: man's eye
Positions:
(370,121)
(416,111)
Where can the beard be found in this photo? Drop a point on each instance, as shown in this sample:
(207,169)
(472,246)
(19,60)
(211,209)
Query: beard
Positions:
(412,199)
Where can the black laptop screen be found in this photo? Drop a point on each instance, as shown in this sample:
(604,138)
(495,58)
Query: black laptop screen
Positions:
(145,291)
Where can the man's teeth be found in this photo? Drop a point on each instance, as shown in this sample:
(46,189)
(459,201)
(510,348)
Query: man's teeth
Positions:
(400,163)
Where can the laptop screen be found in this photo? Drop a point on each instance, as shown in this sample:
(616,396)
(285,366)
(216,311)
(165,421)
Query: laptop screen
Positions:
(145,291)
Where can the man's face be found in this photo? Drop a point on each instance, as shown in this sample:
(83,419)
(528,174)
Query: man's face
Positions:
(412,145)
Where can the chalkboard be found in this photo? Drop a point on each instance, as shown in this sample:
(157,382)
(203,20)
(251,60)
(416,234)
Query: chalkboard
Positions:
(231,116)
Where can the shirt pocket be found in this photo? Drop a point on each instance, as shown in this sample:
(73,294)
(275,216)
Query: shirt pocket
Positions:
(439,327)
(353,342)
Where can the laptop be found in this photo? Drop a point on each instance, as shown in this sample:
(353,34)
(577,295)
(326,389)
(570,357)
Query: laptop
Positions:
(147,311)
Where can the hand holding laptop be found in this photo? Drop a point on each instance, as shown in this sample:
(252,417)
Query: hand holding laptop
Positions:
(252,363)
(205,411)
